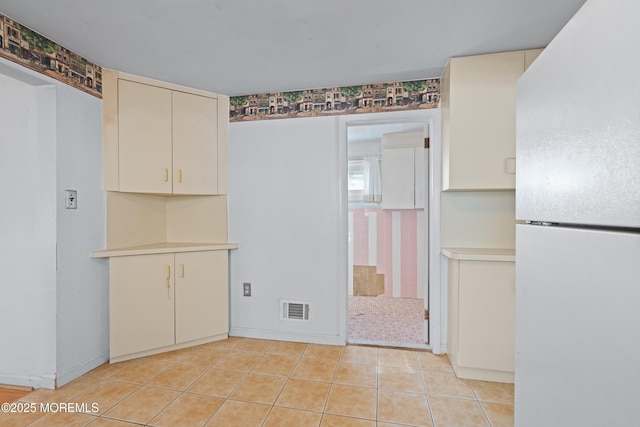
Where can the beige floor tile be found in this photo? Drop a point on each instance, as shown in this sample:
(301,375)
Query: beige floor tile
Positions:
(275,364)
(64,419)
(251,344)
(359,354)
(107,422)
(499,415)
(357,374)
(320,351)
(225,344)
(284,417)
(188,410)
(330,420)
(19,419)
(140,371)
(286,348)
(259,388)
(168,356)
(457,413)
(400,379)
(447,384)
(305,395)
(352,401)
(241,361)
(217,382)
(64,393)
(234,413)
(199,356)
(315,369)
(107,369)
(142,405)
(177,377)
(396,357)
(432,362)
(493,392)
(106,394)
(403,408)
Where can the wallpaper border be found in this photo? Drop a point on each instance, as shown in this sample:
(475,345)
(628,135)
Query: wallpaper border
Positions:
(369,98)
(32,50)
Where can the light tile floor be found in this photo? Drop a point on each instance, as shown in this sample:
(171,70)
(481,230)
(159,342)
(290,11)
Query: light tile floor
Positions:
(248,382)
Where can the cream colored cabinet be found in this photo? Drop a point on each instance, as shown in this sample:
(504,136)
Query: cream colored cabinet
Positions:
(164,301)
(403,170)
(481,319)
(478,100)
(163,139)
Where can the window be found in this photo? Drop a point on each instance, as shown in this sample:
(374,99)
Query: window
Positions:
(356,180)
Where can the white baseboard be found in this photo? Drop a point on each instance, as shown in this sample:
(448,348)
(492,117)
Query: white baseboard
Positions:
(74,372)
(34,381)
(287,336)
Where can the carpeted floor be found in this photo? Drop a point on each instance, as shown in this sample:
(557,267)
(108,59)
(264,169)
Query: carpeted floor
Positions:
(395,322)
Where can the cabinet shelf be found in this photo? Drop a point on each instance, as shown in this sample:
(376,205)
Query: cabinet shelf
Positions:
(163,248)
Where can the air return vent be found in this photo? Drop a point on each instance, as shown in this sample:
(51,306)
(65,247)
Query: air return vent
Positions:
(294,310)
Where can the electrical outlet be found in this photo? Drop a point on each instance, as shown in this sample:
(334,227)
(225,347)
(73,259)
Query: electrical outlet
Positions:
(246,289)
(71,199)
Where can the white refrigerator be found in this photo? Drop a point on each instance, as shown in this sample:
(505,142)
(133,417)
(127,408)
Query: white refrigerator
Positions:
(578,237)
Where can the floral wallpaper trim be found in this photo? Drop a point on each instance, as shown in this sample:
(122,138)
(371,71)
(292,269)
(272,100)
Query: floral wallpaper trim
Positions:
(32,50)
(409,95)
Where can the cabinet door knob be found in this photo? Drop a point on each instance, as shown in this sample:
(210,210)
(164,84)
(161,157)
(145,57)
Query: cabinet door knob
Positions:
(166,174)
(167,272)
(179,175)
(181,270)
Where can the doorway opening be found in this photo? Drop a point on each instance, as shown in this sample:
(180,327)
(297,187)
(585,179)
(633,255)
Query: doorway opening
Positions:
(387,179)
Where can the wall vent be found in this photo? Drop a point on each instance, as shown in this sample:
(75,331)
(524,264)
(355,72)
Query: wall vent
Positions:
(294,310)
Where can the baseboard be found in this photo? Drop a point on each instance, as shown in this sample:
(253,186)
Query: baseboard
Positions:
(32,381)
(74,372)
(287,336)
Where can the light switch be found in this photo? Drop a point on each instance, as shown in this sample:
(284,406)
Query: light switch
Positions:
(71,199)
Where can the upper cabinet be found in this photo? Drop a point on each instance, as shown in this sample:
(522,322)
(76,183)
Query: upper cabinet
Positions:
(403,170)
(478,100)
(162,138)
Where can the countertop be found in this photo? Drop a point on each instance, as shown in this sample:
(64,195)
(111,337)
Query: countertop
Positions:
(479,254)
(163,248)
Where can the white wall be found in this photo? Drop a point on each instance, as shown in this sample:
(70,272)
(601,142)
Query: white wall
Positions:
(28,234)
(288,212)
(51,141)
(82,291)
(482,219)
(285,206)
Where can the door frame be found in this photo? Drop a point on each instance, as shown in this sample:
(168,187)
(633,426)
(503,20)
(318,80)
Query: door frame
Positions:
(435,293)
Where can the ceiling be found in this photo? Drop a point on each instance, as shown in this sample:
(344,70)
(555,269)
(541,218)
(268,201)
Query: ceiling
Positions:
(241,47)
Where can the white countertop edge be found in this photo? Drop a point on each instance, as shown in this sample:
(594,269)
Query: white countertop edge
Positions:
(163,248)
(479,254)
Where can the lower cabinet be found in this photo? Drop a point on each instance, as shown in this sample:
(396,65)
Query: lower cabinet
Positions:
(164,301)
(481,319)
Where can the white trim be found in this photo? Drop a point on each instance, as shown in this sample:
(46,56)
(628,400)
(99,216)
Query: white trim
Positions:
(41,381)
(74,372)
(287,336)
(350,244)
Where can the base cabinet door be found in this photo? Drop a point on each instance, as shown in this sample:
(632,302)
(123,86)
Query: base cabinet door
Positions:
(202,294)
(141,298)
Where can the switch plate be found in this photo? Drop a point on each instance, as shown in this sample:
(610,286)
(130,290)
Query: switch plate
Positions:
(71,199)
(246,289)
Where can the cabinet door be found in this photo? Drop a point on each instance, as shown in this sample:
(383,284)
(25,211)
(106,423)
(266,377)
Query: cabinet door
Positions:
(486,330)
(481,122)
(202,295)
(141,297)
(397,178)
(195,135)
(144,138)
